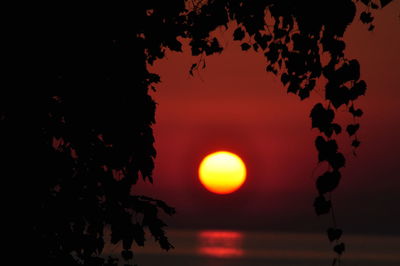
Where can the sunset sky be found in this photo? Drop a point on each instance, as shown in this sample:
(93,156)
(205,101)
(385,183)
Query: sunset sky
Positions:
(234,104)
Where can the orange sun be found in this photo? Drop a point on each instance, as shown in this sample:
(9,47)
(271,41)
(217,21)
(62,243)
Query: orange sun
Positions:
(222,172)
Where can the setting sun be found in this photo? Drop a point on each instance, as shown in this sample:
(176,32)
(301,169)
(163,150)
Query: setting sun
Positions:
(222,172)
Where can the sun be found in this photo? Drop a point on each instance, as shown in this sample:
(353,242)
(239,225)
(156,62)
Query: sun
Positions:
(222,172)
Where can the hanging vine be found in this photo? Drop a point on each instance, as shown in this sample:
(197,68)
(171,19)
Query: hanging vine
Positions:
(294,36)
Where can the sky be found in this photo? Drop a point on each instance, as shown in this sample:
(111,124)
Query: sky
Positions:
(235,105)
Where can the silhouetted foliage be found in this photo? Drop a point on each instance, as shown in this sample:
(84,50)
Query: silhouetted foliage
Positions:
(82,131)
(321,205)
(339,248)
(334,234)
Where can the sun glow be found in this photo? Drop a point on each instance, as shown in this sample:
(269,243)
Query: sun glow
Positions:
(222,172)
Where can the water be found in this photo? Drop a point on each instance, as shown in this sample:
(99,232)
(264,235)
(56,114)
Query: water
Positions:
(233,248)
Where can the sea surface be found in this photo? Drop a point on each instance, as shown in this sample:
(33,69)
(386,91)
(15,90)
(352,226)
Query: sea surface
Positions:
(234,248)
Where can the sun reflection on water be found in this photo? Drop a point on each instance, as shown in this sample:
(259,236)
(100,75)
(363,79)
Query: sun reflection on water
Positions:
(221,244)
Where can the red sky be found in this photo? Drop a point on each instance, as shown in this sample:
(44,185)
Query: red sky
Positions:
(234,104)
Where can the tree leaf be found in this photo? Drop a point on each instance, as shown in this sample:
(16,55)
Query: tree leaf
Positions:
(245,46)
(192,68)
(328,182)
(339,248)
(262,40)
(304,93)
(334,233)
(355,143)
(358,90)
(321,205)
(374,6)
(285,78)
(371,27)
(337,94)
(366,17)
(255,47)
(337,128)
(352,129)
(385,3)
(355,112)
(238,34)
(326,149)
(321,118)
(337,161)
(366,2)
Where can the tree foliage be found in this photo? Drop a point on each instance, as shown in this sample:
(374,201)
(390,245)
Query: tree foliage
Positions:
(84,133)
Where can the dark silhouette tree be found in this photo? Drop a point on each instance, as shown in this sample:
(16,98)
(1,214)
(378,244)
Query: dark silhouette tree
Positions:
(79,135)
